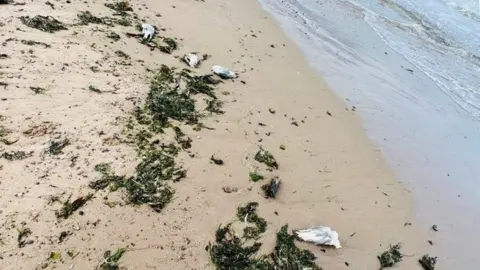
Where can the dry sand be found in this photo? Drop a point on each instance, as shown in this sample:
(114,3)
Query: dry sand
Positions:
(331,174)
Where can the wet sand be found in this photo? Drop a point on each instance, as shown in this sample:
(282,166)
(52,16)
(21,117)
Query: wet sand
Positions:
(331,174)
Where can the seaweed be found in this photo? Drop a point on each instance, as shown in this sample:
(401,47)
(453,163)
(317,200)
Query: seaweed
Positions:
(33,42)
(111,260)
(113,35)
(248,213)
(56,146)
(86,17)
(108,178)
(16,155)
(170,45)
(23,234)
(255,176)
(38,90)
(391,257)
(216,161)
(215,106)
(270,190)
(68,207)
(182,139)
(43,23)
(427,262)
(94,89)
(231,252)
(264,156)
(197,84)
(120,6)
(122,54)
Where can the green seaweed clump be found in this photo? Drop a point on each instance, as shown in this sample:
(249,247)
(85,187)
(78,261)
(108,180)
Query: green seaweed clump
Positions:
(391,257)
(230,252)
(183,140)
(215,106)
(113,35)
(86,17)
(120,6)
(56,146)
(16,155)
(255,176)
(264,156)
(111,260)
(43,23)
(427,262)
(249,214)
(108,178)
(170,45)
(69,207)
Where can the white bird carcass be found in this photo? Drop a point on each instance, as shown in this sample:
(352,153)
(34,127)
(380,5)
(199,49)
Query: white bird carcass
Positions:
(192,59)
(319,236)
(148,31)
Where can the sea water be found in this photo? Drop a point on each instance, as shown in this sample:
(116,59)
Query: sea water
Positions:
(412,70)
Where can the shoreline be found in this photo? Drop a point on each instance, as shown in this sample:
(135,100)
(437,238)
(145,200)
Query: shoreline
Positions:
(331,174)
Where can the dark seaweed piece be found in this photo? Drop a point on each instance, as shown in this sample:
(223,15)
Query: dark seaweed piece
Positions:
(23,234)
(391,257)
(86,17)
(43,23)
(215,106)
(255,176)
(16,155)
(270,190)
(249,213)
(170,46)
(122,54)
(113,35)
(69,207)
(48,3)
(197,84)
(33,42)
(216,161)
(94,89)
(108,178)
(111,260)
(120,6)
(38,90)
(182,139)
(264,156)
(4,56)
(427,262)
(56,146)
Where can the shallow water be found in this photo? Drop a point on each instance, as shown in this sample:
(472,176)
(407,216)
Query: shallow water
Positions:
(412,70)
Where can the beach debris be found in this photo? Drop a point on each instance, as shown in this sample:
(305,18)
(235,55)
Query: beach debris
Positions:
(208,79)
(319,235)
(56,146)
(41,129)
(68,207)
(227,189)
(170,46)
(183,140)
(148,31)
(63,235)
(122,54)
(435,228)
(282,147)
(223,72)
(248,214)
(33,42)
(265,157)
(55,256)
(86,17)
(192,59)
(23,234)
(111,260)
(16,155)
(43,23)
(48,3)
(107,178)
(230,251)
(121,6)
(270,190)
(113,35)
(38,90)
(215,106)
(391,257)
(216,161)
(4,56)
(329,113)
(427,262)
(94,89)
(255,176)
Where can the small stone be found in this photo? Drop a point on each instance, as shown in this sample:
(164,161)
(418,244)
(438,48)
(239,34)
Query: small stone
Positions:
(282,147)
(9,140)
(229,189)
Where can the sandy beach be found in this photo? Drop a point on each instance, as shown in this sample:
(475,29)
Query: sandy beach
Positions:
(331,174)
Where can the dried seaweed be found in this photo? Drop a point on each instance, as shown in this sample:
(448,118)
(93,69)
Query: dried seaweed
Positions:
(230,252)
(43,23)
(264,156)
(113,35)
(23,234)
(270,190)
(182,139)
(216,161)
(391,257)
(170,45)
(68,207)
(94,89)
(38,90)
(16,155)
(108,178)
(56,146)
(122,54)
(255,176)
(111,260)
(33,42)
(215,106)
(86,17)
(120,6)
(427,262)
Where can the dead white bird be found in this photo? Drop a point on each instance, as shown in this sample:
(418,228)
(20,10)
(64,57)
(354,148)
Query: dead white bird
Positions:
(192,60)
(148,31)
(319,236)
(224,73)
